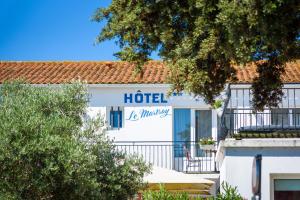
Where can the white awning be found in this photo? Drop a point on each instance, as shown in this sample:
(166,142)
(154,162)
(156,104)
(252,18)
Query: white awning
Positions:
(179,182)
(162,175)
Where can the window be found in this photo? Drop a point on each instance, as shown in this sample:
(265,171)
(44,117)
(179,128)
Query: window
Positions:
(296,116)
(116,116)
(182,131)
(229,119)
(203,127)
(286,189)
(280,116)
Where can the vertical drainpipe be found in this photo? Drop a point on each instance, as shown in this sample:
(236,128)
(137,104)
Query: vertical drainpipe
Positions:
(258,160)
(256,177)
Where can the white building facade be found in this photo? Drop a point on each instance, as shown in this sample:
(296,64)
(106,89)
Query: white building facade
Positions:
(272,135)
(145,119)
(280,164)
(165,128)
(146,112)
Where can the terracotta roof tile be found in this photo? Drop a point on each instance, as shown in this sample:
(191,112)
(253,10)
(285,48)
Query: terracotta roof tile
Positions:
(246,74)
(112,72)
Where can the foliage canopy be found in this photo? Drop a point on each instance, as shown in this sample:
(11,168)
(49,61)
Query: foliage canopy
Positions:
(49,150)
(201,40)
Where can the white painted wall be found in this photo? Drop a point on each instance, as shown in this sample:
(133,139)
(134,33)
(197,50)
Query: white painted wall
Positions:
(113,95)
(153,128)
(147,130)
(157,128)
(279,157)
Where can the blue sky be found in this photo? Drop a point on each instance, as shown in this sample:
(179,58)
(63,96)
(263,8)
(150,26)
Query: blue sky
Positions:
(52,30)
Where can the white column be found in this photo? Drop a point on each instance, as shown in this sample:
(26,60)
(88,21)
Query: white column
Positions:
(193,132)
(291,117)
(214,125)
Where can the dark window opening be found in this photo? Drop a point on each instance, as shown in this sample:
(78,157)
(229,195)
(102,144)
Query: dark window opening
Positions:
(116,118)
(286,189)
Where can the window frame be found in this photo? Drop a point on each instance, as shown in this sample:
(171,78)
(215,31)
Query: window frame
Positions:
(278,117)
(274,177)
(120,117)
(193,110)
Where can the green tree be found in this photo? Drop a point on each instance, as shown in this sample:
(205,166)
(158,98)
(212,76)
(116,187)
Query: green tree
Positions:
(201,40)
(49,150)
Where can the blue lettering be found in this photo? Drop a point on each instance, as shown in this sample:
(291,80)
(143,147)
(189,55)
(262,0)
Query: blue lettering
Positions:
(165,112)
(133,116)
(147,95)
(155,98)
(144,113)
(145,98)
(177,93)
(138,98)
(126,98)
(162,98)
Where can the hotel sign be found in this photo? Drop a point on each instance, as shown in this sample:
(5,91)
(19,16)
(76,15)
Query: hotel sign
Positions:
(146,113)
(139,98)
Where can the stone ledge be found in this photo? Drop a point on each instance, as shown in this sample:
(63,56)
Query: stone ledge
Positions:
(255,143)
(262,142)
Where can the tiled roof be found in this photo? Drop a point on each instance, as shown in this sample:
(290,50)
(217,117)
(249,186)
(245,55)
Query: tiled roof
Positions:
(245,74)
(111,72)
(91,72)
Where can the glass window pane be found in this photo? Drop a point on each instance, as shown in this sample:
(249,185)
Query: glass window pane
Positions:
(287,184)
(182,131)
(285,189)
(203,123)
(280,116)
(229,119)
(115,119)
(296,116)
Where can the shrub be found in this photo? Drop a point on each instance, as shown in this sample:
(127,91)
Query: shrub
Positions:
(230,193)
(163,194)
(47,150)
(207,141)
(217,104)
